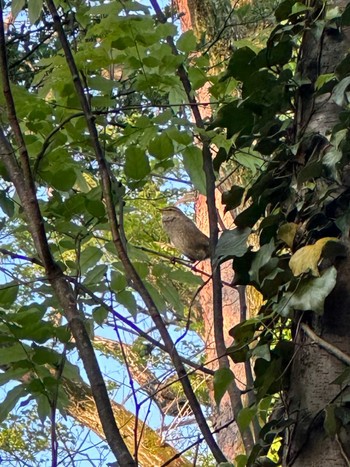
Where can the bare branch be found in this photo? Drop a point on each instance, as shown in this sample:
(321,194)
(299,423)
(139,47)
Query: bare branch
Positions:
(332,349)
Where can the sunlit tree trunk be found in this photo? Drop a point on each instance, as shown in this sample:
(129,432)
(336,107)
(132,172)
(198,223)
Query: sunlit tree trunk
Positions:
(207,18)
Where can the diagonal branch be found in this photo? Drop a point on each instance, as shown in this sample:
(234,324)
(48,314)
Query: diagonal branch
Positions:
(21,176)
(330,348)
(130,271)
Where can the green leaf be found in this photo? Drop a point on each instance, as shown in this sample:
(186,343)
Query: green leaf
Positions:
(262,257)
(100,314)
(11,399)
(118,281)
(193,162)
(12,374)
(222,380)
(8,294)
(231,244)
(136,164)
(43,407)
(186,277)
(156,297)
(331,423)
(181,137)
(63,180)
(187,42)
(95,207)
(241,64)
(95,275)
(171,295)
(287,233)
(284,9)
(338,93)
(161,147)
(34,10)
(232,198)
(262,351)
(17,6)
(237,119)
(13,353)
(6,204)
(345,17)
(43,355)
(309,295)
(127,299)
(245,417)
(89,258)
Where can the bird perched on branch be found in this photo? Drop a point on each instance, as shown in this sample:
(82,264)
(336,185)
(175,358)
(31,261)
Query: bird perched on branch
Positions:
(184,234)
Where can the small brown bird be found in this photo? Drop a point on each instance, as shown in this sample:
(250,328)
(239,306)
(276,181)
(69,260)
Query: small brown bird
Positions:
(184,234)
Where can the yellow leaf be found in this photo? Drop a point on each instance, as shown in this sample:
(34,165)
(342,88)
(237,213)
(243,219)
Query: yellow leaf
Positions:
(307,258)
(287,232)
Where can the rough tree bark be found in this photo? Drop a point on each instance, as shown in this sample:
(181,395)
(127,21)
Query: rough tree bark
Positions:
(314,369)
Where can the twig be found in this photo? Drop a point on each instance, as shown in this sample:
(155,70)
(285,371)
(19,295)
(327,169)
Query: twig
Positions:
(24,258)
(342,451)
(339,354)
(135,328)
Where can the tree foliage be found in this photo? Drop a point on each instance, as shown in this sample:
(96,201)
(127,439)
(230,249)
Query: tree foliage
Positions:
(100,129)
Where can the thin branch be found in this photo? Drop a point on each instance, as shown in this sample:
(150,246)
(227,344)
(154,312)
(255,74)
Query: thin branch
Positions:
(234,393)
(130,270)
(21,176)
(330,348)
(12,255)
(138,330)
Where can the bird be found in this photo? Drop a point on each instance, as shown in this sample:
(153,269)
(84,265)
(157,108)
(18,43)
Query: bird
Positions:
(185,235)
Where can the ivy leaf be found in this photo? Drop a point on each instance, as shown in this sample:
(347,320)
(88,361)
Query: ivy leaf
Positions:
(331,423)
(338,93)
(309,295)
(222,379)
(245,417)
(240,65)
(284,10)
(307,258)
(236,118)
(287,233)
(231,244)
(232,198)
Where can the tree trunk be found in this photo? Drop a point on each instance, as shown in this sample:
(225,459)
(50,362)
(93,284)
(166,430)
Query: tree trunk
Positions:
(315,403)
(206,19)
